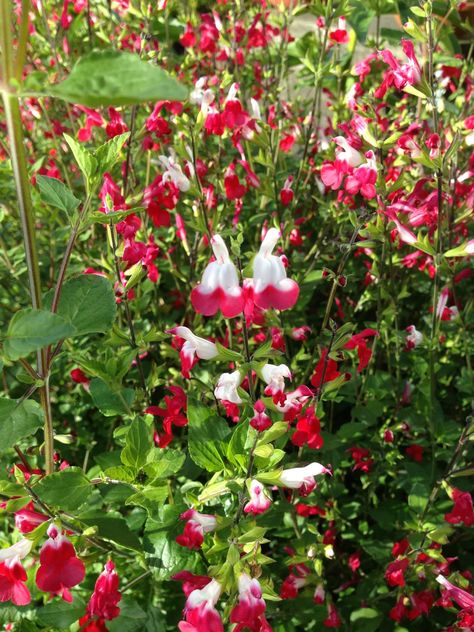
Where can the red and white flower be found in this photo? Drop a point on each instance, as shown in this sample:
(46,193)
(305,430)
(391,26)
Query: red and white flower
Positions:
(227,385)
(196,526)
(347,154)
(199,612)
(286,194)
(319,594)
(259,501)
(403,74)
(260,421)
(219,287)
(193,348)
(249,612)
(414,337)
(173,173)
(300,333)
(13,575)
(27,519)
(274,377)
(302,478)
(60,569)
(271,286)
(460,596)
(363,179)
(294,402)
(294,582)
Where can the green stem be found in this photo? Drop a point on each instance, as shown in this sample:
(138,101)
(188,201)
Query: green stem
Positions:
(317,91)
(67,254)
(438,248)
(25,206)
(128,313)
(332,295)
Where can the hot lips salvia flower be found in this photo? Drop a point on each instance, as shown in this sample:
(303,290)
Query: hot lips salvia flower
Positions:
(220,289)
(104,601)
(60,569)
(13,575)
(200,613)
(284,237)
(193,348)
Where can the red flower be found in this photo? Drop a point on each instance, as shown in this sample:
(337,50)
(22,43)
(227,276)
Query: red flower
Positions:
(399,610)
(359,342)
(27,519)
(333,620)
(354,561)
(400,547)
(260,420)
(60,568)
(234,189)
(191,582)
(308,510)
(415,452)
(12,583)
(79,377)
(106,596)
(462,512)
(362,458)
(88,625)
(174,414)
(308,431)
(421,604)
(394,575)
(287,142)
(325,370)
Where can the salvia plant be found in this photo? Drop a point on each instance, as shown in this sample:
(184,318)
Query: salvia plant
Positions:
(236,298)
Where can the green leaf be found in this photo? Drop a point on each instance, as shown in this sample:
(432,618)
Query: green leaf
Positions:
(227,354)
(164,554)
(9,489)
(441,534)
(415,92)
(366,619)
(138,444)
(112,526)
(108,153)
(33,329)
(206,434)
(88,303)
(460,251)
(111,400)
(236,445)
(276,431)
(313,277)
(85,160)
(55,193)
(131,618)
(113,217)
(164,463)
(263,350)
(67,489)
(360,18)
(418,11)
(18,420)
(58,615)
(150,498)
(104,78)
(418,497)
